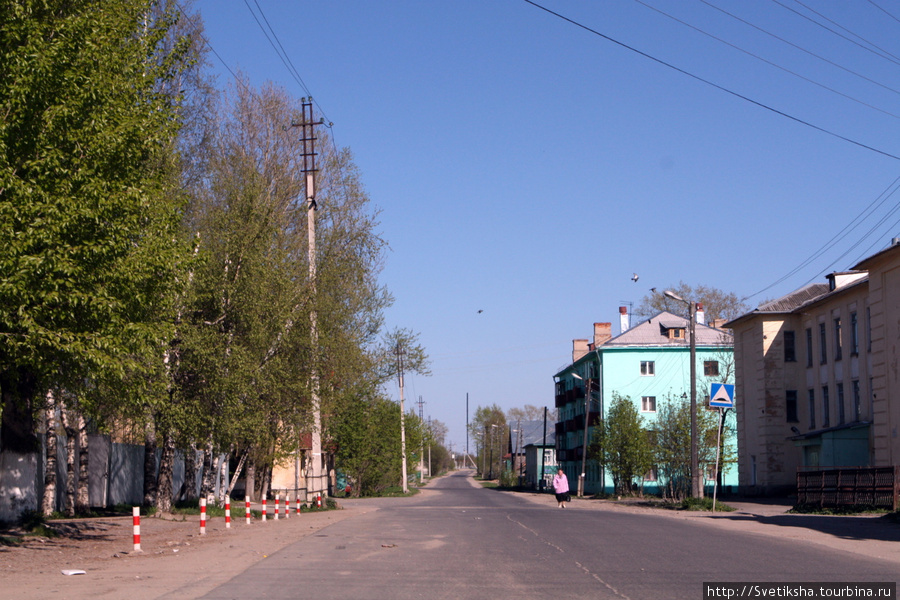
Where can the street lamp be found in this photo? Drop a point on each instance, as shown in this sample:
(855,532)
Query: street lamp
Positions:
(587,400)
(696,489)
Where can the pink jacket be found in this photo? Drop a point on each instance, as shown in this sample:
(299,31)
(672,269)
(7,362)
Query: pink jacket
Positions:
(560,483)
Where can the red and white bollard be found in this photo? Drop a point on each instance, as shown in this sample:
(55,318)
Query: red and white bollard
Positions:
(202,516)
(264,510)
(136,519)
(298,504)
(318,500)
(287,507)
(247,505)
(276,507)
(227,513)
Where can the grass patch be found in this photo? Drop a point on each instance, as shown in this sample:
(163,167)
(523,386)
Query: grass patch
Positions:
(488,483)
(704,503)
(7,540)
(808,509)
(34,524)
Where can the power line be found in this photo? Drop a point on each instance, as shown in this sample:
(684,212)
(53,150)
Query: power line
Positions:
(889,191)
(800,48)
(710,83)
(768,62)
(880,53)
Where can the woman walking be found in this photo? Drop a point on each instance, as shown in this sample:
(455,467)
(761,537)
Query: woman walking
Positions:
(561,487)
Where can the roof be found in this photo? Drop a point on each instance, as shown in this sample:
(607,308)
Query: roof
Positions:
(533,433)
(801,298)
(795,299)
(654,333)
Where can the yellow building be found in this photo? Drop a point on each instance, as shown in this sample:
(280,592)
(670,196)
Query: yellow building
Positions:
(817,380)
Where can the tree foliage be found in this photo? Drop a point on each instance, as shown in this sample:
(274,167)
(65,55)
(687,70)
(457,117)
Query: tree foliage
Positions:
(88,215)
(489,430)
(717,304)
(672,444)
(622,444)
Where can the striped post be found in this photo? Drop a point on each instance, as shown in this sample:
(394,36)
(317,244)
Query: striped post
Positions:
(136,519)
(298,504)
(276,506)
(264,510)
(228,513)
(202,516)
(287,506)
(247,505)
(318,500)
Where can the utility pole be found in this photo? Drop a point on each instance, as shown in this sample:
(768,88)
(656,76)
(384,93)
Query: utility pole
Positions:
(315,481)
(400,352)
(422,444)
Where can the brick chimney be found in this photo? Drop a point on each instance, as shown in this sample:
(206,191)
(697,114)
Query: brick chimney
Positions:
(699,314)
(602,333)
(579,349)
(624,319)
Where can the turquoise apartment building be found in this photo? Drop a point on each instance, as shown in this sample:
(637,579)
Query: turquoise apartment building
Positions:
(649,363)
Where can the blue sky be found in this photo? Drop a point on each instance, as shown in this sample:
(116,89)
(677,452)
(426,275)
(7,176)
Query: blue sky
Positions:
(526,167)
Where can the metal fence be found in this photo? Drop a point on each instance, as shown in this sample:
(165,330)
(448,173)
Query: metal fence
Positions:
(878,487)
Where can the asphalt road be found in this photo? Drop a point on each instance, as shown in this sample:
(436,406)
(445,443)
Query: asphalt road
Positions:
(459,541)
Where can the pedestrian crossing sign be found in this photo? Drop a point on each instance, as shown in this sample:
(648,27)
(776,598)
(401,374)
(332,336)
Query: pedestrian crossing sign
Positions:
(721,395)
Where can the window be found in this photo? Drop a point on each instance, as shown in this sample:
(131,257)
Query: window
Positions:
(790,406)
(812,408)
(790,350)
(648,367)
(868,330)
(710,367)
(854,334)
(648,403)
(809,347)
(854,386)
(826,412)
(823,345)
(840,402)
(838,341)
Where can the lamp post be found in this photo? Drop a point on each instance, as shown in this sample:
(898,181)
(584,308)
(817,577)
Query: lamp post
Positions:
(696,488)
(491,441)
(584,443)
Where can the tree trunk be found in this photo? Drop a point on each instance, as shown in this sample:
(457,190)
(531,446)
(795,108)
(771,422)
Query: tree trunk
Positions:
(150,464)
(164,485)
(71,475)
(48,498)
(250,483)
(266,480)
(209,474)
(237,472)
(222,480)
(82,498)
(190,473)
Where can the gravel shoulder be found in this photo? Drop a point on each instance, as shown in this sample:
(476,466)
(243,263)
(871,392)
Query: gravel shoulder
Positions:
(175,562)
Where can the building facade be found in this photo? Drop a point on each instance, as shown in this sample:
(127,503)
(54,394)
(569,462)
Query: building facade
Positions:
(648,363)
(816,372)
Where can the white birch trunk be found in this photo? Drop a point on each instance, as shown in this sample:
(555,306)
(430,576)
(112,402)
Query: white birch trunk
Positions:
(48,497)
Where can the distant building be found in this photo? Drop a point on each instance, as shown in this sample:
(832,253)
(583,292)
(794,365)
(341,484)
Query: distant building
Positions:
(648,363)
(817,377)
(532,447)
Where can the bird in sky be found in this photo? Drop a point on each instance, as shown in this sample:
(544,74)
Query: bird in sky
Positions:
(634,277)
(480,311)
